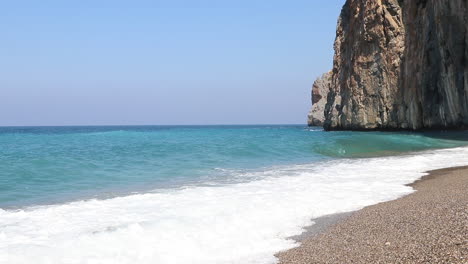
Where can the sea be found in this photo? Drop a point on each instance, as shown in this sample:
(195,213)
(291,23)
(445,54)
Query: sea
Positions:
(195,194)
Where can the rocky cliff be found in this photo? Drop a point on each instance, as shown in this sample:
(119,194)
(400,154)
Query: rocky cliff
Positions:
(320,91)
(400,64)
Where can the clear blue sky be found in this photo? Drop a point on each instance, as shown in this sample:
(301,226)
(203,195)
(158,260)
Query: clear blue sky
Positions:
(154,62)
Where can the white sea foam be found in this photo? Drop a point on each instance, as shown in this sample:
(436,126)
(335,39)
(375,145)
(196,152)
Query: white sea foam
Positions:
(238,223)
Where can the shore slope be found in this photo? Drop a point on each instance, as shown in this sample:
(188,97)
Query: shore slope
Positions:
(428,226)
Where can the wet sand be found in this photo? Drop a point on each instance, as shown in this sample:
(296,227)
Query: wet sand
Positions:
(428,226)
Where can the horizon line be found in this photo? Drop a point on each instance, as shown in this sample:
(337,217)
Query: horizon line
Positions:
(115,125)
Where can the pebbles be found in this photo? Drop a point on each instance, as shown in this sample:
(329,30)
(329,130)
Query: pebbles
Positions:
(428,226)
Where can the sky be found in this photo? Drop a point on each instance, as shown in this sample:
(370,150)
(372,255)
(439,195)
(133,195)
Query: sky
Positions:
(112,62)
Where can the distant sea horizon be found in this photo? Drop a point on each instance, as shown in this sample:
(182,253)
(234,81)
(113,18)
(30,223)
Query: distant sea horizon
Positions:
(143,125)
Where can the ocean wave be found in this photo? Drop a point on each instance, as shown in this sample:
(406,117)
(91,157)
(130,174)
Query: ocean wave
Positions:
(236,223)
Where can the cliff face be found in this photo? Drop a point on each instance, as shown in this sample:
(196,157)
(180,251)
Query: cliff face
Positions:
(434,85)
(368,52)
(320,91)
(400,64)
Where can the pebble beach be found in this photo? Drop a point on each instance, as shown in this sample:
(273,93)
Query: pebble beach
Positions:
(427,226)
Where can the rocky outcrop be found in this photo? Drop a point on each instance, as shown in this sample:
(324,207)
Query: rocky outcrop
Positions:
(400,64)
(434,84)
(320,91)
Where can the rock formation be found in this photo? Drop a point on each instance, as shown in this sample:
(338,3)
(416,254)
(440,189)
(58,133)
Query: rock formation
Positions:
(400,64)
(320,91)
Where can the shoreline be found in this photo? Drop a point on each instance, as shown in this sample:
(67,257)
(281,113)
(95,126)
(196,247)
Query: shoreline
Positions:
(321,225)
(410,229)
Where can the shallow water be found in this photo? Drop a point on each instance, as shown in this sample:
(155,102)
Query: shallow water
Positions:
(223,194)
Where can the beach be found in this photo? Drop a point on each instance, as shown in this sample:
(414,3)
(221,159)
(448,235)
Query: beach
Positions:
(138,194)
(427,226)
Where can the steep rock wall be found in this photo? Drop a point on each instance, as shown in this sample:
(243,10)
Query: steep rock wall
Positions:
(399,64)
(434,73)
(320,91)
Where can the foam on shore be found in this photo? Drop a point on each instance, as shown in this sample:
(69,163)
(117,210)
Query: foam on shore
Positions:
(234,223)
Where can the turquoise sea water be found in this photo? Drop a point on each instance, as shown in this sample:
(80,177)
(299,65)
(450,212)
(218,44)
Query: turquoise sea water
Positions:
(47,165)
(222,194)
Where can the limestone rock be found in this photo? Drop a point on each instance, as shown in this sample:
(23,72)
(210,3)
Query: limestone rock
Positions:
(434,84)
(320,91)
(400,64)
